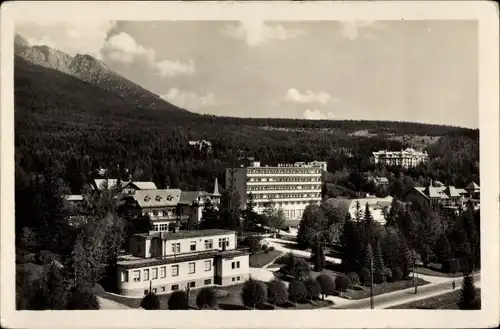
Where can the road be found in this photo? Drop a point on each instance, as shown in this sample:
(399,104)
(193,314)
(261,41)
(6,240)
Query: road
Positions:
(408,295)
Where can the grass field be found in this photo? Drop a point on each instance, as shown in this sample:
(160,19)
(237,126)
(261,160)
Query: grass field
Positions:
(262,258)
(383,288)
(442,302)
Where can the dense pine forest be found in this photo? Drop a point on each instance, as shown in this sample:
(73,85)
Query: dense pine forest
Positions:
(75,127)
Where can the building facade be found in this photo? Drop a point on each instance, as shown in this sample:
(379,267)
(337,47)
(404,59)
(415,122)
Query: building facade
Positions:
(290,187)
(180,260)
(405,158)
(443,196)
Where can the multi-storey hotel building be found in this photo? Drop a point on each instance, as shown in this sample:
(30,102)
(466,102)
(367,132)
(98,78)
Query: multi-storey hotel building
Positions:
(181,260)
(290,187)
(406,158)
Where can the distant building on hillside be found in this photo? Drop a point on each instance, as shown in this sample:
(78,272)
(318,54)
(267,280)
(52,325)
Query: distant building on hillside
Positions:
(290,187)
(405,158)
(201,145)
(126,187)
(181,260)
(377,206)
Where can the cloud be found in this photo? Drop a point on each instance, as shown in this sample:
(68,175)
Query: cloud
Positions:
(80,36)
(44,41)
(295,96)
(317,115)
(353,30)
(123,48)
(167,68)
(189,99)
(256,33)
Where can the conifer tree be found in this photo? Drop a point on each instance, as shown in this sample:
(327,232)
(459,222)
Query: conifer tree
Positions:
(467,294)
(378,261)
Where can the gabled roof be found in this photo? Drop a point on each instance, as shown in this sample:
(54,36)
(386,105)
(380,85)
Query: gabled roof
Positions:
(99,183)
(157,198)
(189,197)
(141,185)
(472,186)
(451,192)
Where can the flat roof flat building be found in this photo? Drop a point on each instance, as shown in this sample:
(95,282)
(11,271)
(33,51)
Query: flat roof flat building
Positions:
(290,187)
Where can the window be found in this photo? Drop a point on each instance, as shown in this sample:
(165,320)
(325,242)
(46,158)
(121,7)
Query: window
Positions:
(227,242)
(208,281)
(175,287)
(175,270)
(208,265)
(162,289)
(237,278)
(137,276)
(155,213)
(154,289)
(192,284)
(209,244)
(176,248)
(125,276)
(154,274)
(192,268)
(163,272)
(238,264)
(234,279)
(192,246)
(146,275)
(233,265)
(146,292)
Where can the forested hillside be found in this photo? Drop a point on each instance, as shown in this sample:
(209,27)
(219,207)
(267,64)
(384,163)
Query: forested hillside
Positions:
(76,127)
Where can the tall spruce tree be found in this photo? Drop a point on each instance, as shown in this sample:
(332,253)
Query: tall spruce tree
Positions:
(352,247)
(467,294)
(209,217)
(378,261)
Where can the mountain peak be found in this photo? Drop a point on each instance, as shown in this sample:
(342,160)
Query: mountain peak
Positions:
(85,62)
(20,44)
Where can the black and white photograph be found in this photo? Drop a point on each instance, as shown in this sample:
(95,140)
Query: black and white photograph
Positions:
(235,160)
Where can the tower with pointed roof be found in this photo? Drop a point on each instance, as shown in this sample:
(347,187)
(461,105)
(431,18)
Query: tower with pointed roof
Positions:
(215,196)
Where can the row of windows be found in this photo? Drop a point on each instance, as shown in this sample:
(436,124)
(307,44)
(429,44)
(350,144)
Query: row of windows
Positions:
(166,213)
(283,171)
(284,179)
(175,287)
(283,203)
(209,244)
(287,196)
(282,187)
(174,271)
(161,227)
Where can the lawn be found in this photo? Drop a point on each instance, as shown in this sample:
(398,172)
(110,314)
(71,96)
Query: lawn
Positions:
(383,288)
(442,302)
(232,301)
(435,270)
(262,258)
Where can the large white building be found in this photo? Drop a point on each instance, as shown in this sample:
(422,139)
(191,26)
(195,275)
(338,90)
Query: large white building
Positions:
(405,158)
(290,187)
(181,260)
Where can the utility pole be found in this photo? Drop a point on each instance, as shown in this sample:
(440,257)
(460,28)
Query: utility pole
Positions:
(372,302)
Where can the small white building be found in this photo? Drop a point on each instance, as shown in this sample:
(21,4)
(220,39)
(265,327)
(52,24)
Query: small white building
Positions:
(169,261)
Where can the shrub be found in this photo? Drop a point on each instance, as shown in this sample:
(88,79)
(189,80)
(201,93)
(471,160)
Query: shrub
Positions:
(271,248)
(397,274)
(313,289)
(450,266)
(326,285)
(364,276)
(378,276)
(253,293)
(178,301)
(297,291)
(253,242)
(206,298)
(284,259)
(83,300)
(299,269)
(265,247)
(387,273)
(354,277)
(219,293)
(342,283)
(150,302)
(277,294)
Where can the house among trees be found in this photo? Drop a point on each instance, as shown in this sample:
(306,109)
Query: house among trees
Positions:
(179,260)
(126,187)
(444,196)
(378,206)
(192,203)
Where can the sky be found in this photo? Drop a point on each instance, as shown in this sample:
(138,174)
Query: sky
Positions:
(420,71)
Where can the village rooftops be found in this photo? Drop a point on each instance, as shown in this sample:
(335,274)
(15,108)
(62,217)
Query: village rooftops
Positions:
(129,261)
(184,234)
